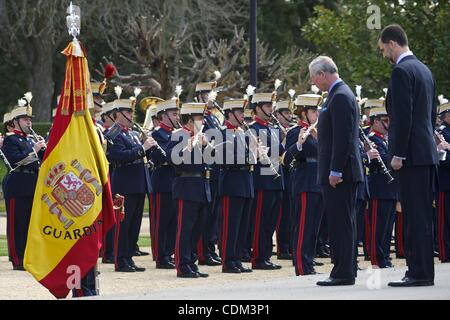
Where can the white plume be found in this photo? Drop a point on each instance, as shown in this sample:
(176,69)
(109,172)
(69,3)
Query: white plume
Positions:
(358,91)
(250,90)
(137,92)
(217,75)
(291,93)
(28,96)
(278,83)
(442,100)
(212,96)
(118,90)
(315,89)
(178,90)
(21,102)
(385,90)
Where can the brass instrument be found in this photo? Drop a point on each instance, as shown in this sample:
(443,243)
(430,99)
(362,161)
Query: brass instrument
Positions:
(149,102)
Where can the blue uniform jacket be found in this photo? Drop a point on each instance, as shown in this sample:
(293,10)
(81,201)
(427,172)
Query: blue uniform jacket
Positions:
(22,181)
(304,163)
(163,173)
(194,188)
(235,179)
(444,166)
(363,188)
(378,185)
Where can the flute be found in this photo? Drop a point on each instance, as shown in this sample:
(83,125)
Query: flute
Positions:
(38,137)
(310,128)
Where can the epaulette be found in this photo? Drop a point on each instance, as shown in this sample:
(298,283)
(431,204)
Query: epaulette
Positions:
(177,130)
(371,134)
(293,127)
(9,134)
(252,123)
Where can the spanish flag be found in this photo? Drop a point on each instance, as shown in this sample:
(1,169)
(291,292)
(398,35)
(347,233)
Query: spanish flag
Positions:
(72,206)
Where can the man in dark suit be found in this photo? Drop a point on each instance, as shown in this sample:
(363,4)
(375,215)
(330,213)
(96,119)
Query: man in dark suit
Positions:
(339,167)
(411,106)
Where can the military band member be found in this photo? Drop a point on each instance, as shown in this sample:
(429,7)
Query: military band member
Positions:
(443,203)
(235,188)
(283,114)
(165,218)
(190,189)
(130,179)
(268,185)
(301,153)
(383,195)
(24,154)
(206,249)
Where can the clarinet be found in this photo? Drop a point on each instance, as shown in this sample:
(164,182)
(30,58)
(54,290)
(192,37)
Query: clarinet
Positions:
(365,139)
(266,157)
(145,137)
(38,137)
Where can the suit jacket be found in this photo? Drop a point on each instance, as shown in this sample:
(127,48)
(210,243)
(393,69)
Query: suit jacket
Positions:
(411,105)
(338,136)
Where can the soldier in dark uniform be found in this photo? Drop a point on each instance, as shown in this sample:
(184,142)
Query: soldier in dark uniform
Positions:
(24,154)
(443,203)
(165,218)
(190,189)
(130,179)
(284,224)
(206,248)
(235,188)
(383,196)
(268,183)
(301,153)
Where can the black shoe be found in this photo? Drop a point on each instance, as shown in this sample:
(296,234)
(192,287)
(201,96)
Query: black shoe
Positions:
(311,273)
(336,282)
(265,266)
(139,253)
(126,268)
(201,274)
(410,282)
(436,254)
(108,261)
(216,257)
(317,263)
(19,268)
(246,259)
(137,269)
(190,274)
(244,269)
(167,265)
(231,270)
(322,254)
(276,266)
(211,262)
(284,256)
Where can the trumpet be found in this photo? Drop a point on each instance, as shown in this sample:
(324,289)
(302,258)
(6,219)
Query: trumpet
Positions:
(366,140)
(265,158)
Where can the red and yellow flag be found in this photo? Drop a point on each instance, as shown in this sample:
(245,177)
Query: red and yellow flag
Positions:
(72,207)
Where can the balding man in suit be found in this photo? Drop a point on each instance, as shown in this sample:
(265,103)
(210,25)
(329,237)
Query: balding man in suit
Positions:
(339,167)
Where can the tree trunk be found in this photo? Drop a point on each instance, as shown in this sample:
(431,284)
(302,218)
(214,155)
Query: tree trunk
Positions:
(41,83)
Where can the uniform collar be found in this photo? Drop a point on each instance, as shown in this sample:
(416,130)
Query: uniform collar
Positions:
(188,131)
(208,113)
(303,124)
(20,133)
(124,129)
(165,127)
(378,134)
(230,125)
(261,122)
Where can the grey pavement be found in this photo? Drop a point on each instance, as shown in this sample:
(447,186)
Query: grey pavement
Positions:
(368,287)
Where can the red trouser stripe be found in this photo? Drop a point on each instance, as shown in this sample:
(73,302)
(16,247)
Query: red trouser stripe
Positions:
(400,245)
(373,254)
(225,217)
(301,233)
(118,213)
(280,215)
(179,226)
(11,240)
(367,231)
(259,200)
